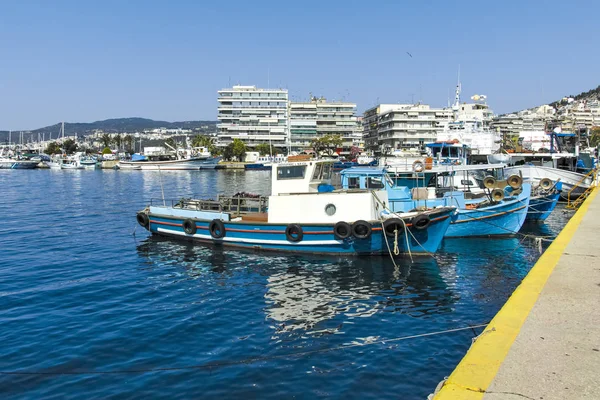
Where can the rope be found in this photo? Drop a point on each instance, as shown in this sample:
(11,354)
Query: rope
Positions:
(249,360)
(406,230)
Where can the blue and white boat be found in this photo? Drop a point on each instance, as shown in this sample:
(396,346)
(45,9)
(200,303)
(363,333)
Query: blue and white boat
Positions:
(497,209)
(156,158)
(544,198)
(303,214)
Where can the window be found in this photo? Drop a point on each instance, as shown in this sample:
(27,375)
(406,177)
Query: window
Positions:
(318,171)
(353,183)
(327,171)
(291,172)
(466,182)
(374,183)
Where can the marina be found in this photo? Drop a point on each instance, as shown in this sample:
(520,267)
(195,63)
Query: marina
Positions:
(260,200)
(283,304)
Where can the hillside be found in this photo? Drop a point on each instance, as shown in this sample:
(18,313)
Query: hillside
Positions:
(115,125)
(593,94)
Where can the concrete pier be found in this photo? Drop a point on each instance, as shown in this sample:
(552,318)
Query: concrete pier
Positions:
(545,342)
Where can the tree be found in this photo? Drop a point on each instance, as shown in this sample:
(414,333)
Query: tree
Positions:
(326,144)
(106,140)
(70,146)
(202,141)
(170,142)
(595,136)
(228,152)
(116,140)
(354,152)
(205,141)
(239,149)
(128,144)
(235,149)
(53,148)
(263,149)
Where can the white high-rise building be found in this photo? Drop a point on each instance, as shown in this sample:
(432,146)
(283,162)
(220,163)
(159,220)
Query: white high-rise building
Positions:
(316,118)
(402,126)
(253,115)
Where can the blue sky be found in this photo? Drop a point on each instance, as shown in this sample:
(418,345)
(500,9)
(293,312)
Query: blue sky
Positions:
(81,61)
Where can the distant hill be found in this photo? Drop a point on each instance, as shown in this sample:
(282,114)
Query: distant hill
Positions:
(593,94)
(115,125)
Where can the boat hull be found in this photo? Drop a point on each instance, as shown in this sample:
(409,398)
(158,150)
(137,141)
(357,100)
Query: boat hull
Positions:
(189,164)
(572,182)
(318,238)
(18,164)
(257,167)
(504,219)
(540,207)
(543,203)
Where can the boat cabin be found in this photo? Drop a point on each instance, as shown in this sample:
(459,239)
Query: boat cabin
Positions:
(449,152)
(302,177)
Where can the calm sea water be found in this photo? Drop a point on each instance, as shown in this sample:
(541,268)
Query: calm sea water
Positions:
(84,289)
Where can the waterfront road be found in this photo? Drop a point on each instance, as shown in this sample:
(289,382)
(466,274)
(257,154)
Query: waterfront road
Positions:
(545,342)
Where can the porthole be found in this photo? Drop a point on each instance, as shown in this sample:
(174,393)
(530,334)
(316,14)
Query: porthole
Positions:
(330,209)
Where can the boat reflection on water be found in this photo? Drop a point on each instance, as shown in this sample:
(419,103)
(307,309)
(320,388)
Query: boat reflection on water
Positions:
(317,295)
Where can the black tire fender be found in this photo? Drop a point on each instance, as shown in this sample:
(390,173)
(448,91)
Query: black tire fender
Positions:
(142,219)
(421,222)
(342,230)
(391,225)
(216,229)
(294,233)
(189,226)
(361,229)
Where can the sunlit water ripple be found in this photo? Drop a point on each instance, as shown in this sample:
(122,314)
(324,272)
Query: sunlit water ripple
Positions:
(85,289)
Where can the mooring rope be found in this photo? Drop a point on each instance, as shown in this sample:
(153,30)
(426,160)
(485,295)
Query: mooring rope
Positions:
(248,360)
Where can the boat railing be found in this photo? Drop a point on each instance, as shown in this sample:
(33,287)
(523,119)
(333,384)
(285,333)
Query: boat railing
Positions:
(235,205)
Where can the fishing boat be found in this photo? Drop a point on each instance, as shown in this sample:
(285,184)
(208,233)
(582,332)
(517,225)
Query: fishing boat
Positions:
(11,159)
(497,208)
(263,163)
(71,164)
(181,158)
(573,183)
(90,162)
(17,163)
(303,214)
(544,198)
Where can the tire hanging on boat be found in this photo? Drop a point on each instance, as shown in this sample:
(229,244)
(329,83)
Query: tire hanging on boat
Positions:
(342,230)
(189,227)
(294,233)
(361,229)
(390,226)
(142,219)
(216,229)
(421,222)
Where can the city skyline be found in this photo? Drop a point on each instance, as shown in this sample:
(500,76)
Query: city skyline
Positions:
(81,62)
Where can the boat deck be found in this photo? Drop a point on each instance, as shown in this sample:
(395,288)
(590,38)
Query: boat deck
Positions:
(255,217)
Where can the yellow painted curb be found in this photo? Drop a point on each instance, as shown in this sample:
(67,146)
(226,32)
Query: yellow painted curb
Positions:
(477,369)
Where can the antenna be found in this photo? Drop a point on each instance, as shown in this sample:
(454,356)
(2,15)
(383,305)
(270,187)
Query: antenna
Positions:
(268,77)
